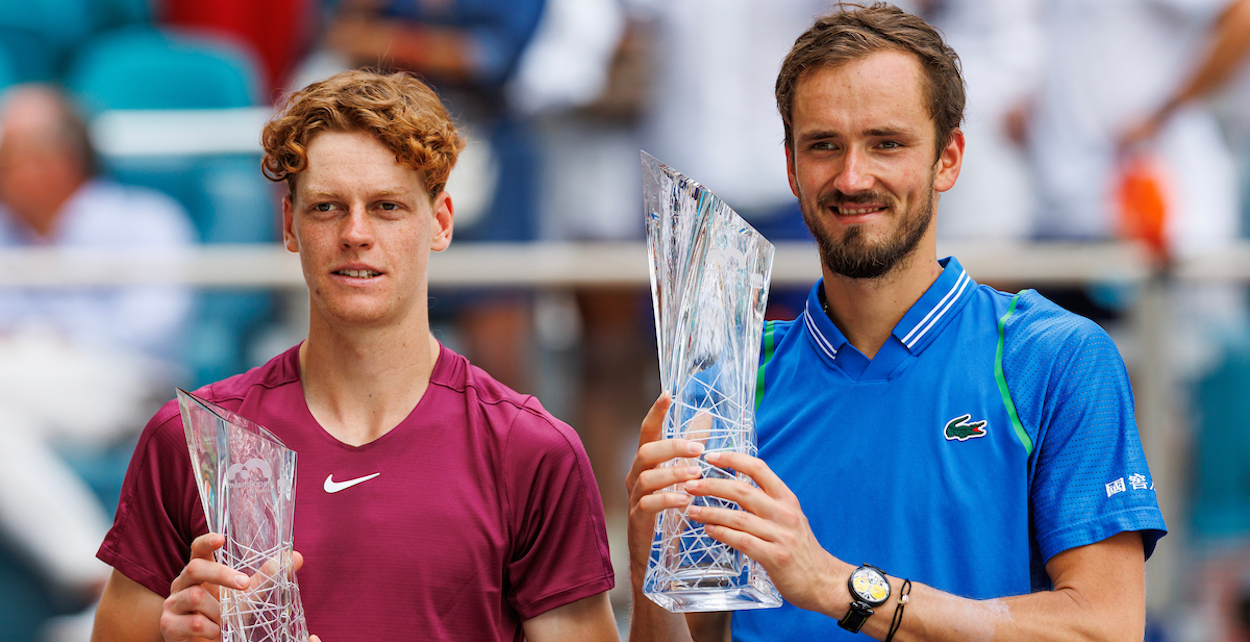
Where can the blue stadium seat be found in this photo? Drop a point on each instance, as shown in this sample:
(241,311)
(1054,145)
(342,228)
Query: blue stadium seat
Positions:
(1221,501)
(146,68)
(8,75)
(38,34)
(115,14)
(62,21)
(32,56)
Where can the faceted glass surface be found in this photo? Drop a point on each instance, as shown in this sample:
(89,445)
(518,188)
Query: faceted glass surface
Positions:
(246,479)
(709,285)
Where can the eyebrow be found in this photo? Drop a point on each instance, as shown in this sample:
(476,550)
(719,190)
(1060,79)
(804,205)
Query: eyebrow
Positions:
(383,193)
(888,132)
(876,132)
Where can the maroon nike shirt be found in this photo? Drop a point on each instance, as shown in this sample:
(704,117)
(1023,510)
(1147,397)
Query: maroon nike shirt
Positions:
(475,513)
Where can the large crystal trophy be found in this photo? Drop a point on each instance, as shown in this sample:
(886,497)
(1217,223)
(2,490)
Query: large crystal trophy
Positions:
(246,479)
(709,284)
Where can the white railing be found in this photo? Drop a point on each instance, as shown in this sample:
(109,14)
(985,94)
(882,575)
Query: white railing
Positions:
(544,265)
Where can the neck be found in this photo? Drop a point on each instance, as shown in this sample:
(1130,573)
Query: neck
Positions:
(866,310)
(360,383)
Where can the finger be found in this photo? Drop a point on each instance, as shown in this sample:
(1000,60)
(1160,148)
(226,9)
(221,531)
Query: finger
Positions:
(737,520)
(189,610)
(653,423)
(652,454)
(201,571)
(204,545)
(313,638)
(743,542)
(698,429)
(185,627)
(297,561)
(756,469)
(652,505)
(271,567)
(750,498)
(655,453)
(657,479)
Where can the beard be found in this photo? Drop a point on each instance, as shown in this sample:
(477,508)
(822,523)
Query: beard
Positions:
(854,256)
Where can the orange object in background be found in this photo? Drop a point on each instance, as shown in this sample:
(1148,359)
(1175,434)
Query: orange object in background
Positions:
(1141,197)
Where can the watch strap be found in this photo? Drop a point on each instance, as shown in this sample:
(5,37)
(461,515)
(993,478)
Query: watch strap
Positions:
(854,619)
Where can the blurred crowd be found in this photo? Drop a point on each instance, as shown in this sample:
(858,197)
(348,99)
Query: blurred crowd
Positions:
(1087,120)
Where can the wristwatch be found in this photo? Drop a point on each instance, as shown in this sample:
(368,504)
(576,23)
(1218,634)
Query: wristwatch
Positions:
(869,588)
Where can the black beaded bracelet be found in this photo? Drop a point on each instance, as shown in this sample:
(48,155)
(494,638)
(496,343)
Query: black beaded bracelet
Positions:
(904,595)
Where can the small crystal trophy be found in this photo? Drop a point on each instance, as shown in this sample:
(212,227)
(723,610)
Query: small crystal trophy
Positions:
(709,285)
(246,478)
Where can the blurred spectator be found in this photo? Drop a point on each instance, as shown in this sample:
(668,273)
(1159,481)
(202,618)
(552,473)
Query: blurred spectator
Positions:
(1229,44)
(999,45)
(468,50)
(712,114)
(579,82)
(1109,66)
(280,32)
(76,365)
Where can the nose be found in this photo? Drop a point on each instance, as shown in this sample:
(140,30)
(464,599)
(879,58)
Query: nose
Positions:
(855,175)
(357,229)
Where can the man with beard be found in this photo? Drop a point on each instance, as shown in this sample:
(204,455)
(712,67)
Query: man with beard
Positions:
(978,446)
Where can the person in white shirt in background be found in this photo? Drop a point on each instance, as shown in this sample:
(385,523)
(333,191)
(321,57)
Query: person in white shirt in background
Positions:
(77,365)
(1125,80)
(1000,50)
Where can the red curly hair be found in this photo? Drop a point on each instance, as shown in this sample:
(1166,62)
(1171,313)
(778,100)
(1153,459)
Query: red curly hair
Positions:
(397,109)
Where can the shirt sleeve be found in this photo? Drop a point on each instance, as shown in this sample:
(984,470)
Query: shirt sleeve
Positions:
(1088,474)
(559,545)
(159,512)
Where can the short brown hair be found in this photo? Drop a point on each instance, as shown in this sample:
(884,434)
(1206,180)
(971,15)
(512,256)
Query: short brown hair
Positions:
(397,109)
(852,32)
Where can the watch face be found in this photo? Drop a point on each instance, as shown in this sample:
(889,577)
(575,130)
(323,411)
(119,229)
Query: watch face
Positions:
(870,585)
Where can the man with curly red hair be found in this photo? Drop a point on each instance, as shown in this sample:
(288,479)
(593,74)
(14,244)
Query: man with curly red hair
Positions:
(434,503)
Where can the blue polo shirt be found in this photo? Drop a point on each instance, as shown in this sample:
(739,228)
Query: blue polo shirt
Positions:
(990,432)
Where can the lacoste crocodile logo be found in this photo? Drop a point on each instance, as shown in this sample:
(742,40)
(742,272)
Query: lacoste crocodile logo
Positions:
(958,429)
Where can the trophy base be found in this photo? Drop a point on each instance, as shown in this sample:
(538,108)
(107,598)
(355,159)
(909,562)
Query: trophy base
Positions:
(703,600)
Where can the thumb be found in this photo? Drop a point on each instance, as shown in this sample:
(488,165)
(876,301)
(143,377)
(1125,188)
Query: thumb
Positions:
(653,424)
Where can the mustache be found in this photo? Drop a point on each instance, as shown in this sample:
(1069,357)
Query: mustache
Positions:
(858,198)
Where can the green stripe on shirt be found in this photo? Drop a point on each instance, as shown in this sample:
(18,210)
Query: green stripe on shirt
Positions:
(768,355)
(1002,380)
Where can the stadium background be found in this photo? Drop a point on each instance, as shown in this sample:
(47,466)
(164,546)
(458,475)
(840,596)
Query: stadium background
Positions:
(557,303)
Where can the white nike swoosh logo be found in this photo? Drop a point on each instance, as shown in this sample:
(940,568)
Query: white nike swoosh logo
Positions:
(332,486)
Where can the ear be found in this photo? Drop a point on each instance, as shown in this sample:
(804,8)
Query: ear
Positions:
(794,184)
(444,217)
(949,162)
(288,219)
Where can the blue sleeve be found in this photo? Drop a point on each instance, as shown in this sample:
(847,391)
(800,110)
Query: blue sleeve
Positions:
(1088,474)
(499,30)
